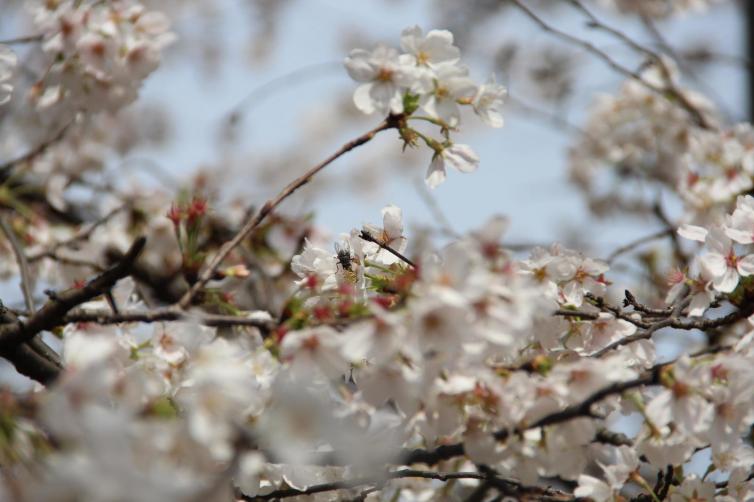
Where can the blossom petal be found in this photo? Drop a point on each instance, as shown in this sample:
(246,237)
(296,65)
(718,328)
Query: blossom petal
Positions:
(745,265)
(436,173)
(693,232)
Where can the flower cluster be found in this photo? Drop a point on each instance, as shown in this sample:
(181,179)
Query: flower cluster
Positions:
(726,261)
(428,75)
(638,133)
(209,356)
(99,53)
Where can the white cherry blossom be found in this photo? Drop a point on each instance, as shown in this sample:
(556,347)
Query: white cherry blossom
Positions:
(722,264)
(461,157)
(488,101)
(431,50)
(385,76)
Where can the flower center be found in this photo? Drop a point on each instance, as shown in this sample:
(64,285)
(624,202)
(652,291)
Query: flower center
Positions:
(385,75)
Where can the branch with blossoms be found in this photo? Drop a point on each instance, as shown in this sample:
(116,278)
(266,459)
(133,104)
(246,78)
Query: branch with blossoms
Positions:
(61,303)
(226,350)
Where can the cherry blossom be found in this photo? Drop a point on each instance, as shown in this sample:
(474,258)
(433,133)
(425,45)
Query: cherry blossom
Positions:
(185,345)
(385,75)
(431,50)
(722,263)
(487,102)
(461,157)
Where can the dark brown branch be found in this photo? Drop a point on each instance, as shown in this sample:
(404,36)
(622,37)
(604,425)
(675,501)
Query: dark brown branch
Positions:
(601,304)
(368,237)
(504,485)
(631,301)
(577,313)
(269,206)
(163,314)
(51,314)
(31,363)
(582,409)
(34,359)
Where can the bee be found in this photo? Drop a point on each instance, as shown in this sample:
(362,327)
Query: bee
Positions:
(343,255)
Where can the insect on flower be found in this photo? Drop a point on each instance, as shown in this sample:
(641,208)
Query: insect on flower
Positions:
(343,255)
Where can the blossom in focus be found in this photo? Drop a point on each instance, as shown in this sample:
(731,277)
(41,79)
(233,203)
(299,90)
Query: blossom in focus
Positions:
(722,263)
(390,234)
(433,49)
(451,84)
(385,76)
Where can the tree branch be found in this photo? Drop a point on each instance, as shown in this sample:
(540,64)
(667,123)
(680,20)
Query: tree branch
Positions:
(7,167)
(269,206)
(668,90)
(164,314)
(369,238)
(52,313)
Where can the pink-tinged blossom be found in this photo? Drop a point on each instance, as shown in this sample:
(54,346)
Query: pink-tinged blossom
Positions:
(681,402)
(99,52)
(663,447)
(740,225)
(693,488)
(621,463)
(219,390)
(314,351)
(376,341)
(722,264)
(740,486)
(316,267)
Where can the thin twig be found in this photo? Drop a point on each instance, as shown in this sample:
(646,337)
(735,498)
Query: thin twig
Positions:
(253,222)
(163,314)
(27,39)
(368,237)
(23,265)
(79,236)
(555,119)
(671,88)
(293,77)
(508,485)
(7,167)
(631,301)
(668,91)
(638,242)
(60,304)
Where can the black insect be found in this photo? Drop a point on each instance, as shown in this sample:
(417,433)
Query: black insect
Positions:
(343,254)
